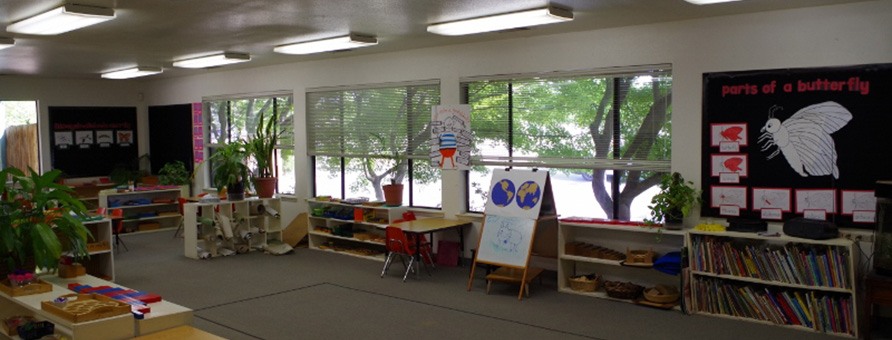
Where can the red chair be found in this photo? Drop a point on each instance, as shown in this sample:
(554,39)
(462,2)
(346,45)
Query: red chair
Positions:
(398,244)
(426,246)
(117,217)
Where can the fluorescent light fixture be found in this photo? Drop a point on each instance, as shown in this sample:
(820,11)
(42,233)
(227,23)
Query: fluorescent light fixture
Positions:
(139,71)
(325,45)
(708,2)
(213,60)
(500,22)
(6,42)
(62,19)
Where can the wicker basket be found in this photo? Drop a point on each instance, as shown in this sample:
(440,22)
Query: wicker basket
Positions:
(622,290)
(585,283)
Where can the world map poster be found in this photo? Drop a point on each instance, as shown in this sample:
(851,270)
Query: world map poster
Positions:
(517,193)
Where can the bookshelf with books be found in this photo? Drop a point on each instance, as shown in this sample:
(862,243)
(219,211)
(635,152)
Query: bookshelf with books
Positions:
(793,282)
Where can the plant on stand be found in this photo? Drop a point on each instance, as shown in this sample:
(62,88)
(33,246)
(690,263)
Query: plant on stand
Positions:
(229,169)
(174,173)
(262,147)
(674,202)
(39,219)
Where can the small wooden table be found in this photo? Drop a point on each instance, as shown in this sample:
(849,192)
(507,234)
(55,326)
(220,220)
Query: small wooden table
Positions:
(512,275)
(432,225)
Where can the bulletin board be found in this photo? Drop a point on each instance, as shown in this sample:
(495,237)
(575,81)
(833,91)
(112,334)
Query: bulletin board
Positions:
(170,135)
(90,141)
(787,143)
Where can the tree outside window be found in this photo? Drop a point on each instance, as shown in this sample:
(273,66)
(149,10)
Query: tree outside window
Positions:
(605,138)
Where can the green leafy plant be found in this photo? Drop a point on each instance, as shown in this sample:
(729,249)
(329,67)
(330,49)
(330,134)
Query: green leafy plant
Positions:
(675,200)
(39,219)
(262,144)
(174,173)
(228,166)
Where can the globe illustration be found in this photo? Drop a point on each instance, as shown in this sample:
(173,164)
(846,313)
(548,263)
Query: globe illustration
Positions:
(528,195)
(502,193)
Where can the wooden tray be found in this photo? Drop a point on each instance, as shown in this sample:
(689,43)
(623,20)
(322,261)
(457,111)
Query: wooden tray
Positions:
(36,287)
(86,307)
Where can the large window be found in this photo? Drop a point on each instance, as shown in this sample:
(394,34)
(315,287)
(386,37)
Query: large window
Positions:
(231,119)
(360,138)
(603,135)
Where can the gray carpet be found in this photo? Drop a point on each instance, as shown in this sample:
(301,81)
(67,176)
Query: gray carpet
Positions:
(316,295)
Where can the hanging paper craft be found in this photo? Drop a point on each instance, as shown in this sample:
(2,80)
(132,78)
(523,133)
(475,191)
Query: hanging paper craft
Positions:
(451,137)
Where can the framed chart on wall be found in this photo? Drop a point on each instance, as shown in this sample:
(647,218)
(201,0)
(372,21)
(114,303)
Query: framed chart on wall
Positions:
(787,143)
(90,141)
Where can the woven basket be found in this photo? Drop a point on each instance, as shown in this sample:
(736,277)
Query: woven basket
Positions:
(622,290)
(585,283)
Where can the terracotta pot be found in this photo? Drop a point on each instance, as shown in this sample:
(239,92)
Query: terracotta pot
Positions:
(266,186)
(393,194)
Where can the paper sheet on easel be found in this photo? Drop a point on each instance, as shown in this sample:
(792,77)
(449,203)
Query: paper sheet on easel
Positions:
(506,240)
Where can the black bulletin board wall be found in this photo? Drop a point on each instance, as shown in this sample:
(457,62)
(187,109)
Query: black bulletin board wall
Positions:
(170,135)
(90,141)
(786,143)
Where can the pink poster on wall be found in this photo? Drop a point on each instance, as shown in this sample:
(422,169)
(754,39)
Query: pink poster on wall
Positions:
(197,134)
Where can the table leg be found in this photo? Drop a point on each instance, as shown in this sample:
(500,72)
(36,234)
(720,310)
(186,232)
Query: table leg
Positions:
(461,242)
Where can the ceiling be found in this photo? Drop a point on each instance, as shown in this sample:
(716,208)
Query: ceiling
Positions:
(156,32)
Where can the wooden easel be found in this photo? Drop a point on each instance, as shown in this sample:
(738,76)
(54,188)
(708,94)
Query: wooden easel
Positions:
(510,244)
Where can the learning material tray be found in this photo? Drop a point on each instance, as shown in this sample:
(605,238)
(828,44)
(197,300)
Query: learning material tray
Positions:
(86,307)
(32,288)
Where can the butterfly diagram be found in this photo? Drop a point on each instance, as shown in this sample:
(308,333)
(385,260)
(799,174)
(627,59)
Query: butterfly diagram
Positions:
(804,138)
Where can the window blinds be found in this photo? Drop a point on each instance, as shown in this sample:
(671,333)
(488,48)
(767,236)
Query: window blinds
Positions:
(391,121)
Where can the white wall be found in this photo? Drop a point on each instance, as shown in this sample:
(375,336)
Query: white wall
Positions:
(848,34)
(74,92)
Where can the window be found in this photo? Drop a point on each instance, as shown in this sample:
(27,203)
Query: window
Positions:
(231,119)
(604,136)
(360,138)
(19,135)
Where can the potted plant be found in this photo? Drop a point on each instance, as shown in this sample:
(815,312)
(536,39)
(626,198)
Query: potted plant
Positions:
(229,169)
(174,173)
(674,202)
(39,219)
(393,193)
(262,147)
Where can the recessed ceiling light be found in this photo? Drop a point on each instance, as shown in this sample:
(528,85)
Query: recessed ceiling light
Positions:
(6,42)
(62,19)
(505,21)
(325,45)
(213,60)
(133,72)
(708,2)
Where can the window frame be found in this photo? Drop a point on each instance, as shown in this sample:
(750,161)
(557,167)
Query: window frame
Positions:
(227,127)
(614,163)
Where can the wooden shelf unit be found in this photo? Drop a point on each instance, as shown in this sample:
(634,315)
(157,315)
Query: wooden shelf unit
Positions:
(102,259)
(164,314)
(329,219)
(246,217)
(618,238)
(166,214)
(791,282)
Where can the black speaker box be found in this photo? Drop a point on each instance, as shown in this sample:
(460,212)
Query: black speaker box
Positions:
(810,229)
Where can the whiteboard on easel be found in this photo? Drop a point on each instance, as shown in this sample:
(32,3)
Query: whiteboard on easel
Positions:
(516,193)
(506,240)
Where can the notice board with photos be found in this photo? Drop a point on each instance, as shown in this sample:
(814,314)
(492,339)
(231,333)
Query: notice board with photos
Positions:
(90,141)
(804,142)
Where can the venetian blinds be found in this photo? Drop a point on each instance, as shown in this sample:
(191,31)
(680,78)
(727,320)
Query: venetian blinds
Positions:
(616,118)
(380,121)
